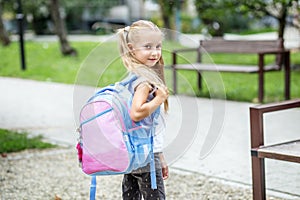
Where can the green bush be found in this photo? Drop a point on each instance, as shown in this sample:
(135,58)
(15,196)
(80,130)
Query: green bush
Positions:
(12,141)
(190,24)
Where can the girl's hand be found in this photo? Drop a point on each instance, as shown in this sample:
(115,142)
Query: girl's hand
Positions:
(162,92)
(164,166)
(142,108)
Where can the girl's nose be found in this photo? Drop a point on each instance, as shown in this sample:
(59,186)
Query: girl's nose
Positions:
(154,52)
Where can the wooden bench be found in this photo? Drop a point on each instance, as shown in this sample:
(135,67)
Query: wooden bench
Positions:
(259,47)
(287,151)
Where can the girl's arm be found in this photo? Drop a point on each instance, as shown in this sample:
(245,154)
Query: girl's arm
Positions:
(140,107)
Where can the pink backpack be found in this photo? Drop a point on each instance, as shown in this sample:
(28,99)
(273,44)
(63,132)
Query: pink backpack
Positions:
(110,142)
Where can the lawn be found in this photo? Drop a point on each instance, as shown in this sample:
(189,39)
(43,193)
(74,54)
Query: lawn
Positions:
(100,64)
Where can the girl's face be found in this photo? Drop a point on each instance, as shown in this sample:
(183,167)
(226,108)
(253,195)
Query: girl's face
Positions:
(147,47)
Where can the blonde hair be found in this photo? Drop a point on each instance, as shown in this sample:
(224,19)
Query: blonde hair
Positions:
(131,34)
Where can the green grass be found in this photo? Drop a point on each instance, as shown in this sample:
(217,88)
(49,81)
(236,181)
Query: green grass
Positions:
(253,31)
(12,141)
(100,64)
(44,61)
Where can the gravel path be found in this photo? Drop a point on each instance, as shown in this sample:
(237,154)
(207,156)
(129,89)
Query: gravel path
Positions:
(53,174)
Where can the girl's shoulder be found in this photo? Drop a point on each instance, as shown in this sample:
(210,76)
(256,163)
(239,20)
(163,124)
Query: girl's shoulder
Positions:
(140,80)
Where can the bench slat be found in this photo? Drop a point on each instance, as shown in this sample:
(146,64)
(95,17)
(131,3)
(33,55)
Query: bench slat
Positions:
(241,46)
(289,151)
(224,68)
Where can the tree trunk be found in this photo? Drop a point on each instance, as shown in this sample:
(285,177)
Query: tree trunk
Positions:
(166,11)
(60,29)
(3,33)
(281,20)
(166,20)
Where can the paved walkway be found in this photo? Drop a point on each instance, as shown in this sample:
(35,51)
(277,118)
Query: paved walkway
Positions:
(194,125)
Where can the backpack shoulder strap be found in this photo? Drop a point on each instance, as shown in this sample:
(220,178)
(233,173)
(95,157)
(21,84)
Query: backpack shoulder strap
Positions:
(129,79)
(93,188)
(153,172)
(152,163)
(155,116)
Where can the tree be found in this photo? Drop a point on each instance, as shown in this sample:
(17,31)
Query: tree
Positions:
(3,33)
(220,16)
(275,8)
(60,29)
(43,10)
(279,9)
(167,12)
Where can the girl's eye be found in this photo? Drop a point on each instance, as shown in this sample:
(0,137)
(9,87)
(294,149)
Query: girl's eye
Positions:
(148,46)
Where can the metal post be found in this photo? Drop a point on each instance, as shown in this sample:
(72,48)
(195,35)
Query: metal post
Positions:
(20,17)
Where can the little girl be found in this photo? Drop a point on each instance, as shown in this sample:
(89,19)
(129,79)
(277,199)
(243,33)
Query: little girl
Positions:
(141,48)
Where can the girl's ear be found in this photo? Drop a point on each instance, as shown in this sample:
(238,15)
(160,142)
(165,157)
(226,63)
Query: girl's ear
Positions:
(130,46)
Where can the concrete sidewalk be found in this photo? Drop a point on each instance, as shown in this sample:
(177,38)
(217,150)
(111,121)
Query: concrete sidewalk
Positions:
(48,108)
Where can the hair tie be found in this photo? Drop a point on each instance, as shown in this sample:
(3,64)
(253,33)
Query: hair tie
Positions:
(126,31)
(127,28)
